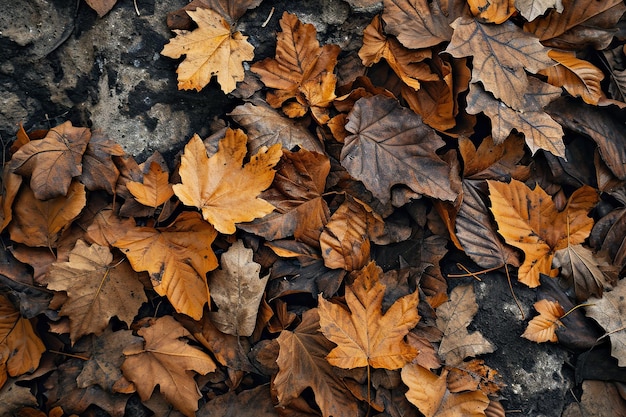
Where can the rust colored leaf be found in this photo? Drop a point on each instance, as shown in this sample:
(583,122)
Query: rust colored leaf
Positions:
(579,77)
(296,192)
(588,273)
(155,189)
(542,328)
(167,360)
(101,7)
(40,223)
(302,363)
(225,191)
(299,58)
(99,170)
(453,317)
(237,289)
(97,288)
(429,393)
(107,227)
(210,50)
(10,186)
(494,161)
(20,347)
(497,11)
(228,9)
(532,9)
(390,145)
(500,55)
(608,311)
(474,375)
(364,335)
(53,161)
(177,258)
(529,220)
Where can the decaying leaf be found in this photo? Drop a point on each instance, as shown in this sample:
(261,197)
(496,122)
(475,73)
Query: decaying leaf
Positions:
(155,189)
(542,328)
(608,311)
(577,76)
(225,191)
(210,50)
(532,9)
(167,360)
(497,11)
(364,335)
(237,289)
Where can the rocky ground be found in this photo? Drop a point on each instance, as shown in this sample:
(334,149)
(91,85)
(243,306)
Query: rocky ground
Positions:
(59,61)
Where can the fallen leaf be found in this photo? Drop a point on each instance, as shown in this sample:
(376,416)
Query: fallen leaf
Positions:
(155,188)
(579,77)
(15,397)
(302,364)
(220,186)
(39,223)
(497,11)
(453,317)
(390,145)
(609,236)
(107,227)
(167,360)
(608,311)
(99,170)
(53,161)
(501,54)
(542,328)
(10,187)
(491,161)
(177,258)
(532,9)
(474,375)
(97,288)
(229,10)
(599,399)
(529,220)
(237,289)
(210,50)
(255,402)
(429,393)
(101,7)
(364,335)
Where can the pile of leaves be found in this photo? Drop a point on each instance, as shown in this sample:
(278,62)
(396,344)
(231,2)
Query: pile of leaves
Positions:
(289,264)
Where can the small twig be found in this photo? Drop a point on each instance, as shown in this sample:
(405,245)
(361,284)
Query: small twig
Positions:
(268,18)
(136,8)
(472,274)
(71,355)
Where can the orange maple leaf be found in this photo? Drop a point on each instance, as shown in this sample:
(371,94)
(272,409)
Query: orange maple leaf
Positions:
(220,186)
(210,50)
(542,328)
(155,189)
(529,220)
(365,336)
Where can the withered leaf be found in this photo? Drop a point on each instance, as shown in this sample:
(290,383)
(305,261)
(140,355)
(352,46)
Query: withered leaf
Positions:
(177,258)
(97,288)
(155,188)
(99,170)
(609,236)
(542,328)
(228,9)
(165,359)
(532,9)
(237,289)
(390,145)
(364,335)
(608,311)
(497,11)
(500,54)
(494,161)
(211,49)
(53,161)
(10,186)
(302,363)
(225,191)
(101,7)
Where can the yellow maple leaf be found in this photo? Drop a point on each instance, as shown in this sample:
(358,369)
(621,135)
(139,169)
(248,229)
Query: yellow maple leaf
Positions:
(210,50)
(220,186)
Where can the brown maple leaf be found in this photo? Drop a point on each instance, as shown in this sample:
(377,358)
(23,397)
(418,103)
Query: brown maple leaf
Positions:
(364,335)
(225,191)
(167,360)
(53,161)
(211,49)
(98,289)
(542,328)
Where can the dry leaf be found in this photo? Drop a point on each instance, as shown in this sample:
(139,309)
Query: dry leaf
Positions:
(532,9)
(497,11)
(155,188)
(177,258)
(529,220)
(364,335)
(210,50)
(542,328)
(101,7)
(608,311)
(97,288)
(99,170)
(237,289)
(225,191)
(165,359)
(579,77)
(453,317)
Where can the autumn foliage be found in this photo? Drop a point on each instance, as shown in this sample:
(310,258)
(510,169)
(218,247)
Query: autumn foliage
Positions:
(292,261)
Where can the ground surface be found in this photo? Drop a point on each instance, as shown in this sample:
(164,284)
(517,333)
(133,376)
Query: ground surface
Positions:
(59,62)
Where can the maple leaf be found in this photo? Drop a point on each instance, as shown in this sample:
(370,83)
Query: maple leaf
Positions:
(365,336)
(220,186)
(299,58)
(177,258)
(97,289)
(608,311)
(107,227)
(39,223)
(492,11)
(165,359)
(577,76)
(228,9)
(20,347)
(297,195)
(529,220)
(53,161)
(237,290)
(390,145)
(302,363)
(532,9)
(210,50)
(453,317)
(99,170)
(155,188)
(542,328)
(500,54)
